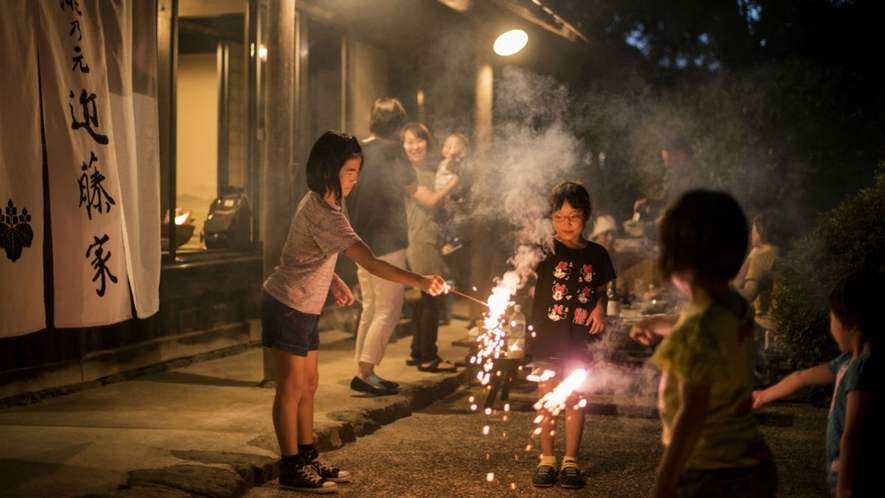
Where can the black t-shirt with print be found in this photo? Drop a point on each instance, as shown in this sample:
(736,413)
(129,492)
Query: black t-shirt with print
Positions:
(565,294)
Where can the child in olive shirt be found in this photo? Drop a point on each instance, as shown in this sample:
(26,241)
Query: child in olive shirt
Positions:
(713,446)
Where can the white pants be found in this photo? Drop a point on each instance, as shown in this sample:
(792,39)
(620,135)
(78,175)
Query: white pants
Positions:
(382,306)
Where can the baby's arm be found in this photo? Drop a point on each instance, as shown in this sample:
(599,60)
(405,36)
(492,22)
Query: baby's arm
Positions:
(647,331)
(813,376)
(857,409)
(686,430)
(424,195)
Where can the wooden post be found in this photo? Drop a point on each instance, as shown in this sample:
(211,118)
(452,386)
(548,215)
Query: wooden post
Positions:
(280,109)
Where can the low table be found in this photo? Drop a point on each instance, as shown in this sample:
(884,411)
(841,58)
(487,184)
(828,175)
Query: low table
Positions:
(503,375)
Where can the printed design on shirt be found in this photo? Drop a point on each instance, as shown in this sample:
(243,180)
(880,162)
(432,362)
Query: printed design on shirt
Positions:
(558,291)
(557,312)
(581,316)
(563,270)
(584,295)
(587,273)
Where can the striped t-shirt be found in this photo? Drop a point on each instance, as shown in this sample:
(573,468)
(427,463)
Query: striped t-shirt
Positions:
(319,231)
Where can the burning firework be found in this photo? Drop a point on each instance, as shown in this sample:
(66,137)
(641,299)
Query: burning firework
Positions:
(554,401)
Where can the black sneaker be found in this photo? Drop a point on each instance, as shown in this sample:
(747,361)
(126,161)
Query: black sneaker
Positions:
(325,470)
(302,476)
(545,475)
(570,476)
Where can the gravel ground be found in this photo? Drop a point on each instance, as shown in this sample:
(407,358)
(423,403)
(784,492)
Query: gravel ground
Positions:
(443,451)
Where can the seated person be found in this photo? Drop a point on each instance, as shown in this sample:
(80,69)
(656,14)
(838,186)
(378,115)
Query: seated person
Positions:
(604,231)
(755,280)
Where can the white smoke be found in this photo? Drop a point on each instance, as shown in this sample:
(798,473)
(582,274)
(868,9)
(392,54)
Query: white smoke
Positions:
(533,151)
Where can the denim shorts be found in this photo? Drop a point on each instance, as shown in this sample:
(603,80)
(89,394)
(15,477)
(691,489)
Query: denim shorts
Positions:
(288,329)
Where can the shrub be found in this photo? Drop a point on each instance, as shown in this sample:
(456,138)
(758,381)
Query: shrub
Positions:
(849,238)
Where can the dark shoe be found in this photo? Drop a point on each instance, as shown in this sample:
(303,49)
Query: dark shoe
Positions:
(545,476)
(570,476)
(302,476)
(325,470)
(411,362)
(358,384)
(434,366)
(384,383)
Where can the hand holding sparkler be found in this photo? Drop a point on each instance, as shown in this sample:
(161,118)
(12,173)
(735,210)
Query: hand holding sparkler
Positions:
(433,285)
(475,300)
(649,330)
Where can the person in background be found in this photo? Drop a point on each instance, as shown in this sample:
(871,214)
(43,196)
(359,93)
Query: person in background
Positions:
(755,280)
(684,174)
(854,435)
(567,313)
(377,211)
(425,242)
(713,446)
(604,231)
(294,295)
(454,152)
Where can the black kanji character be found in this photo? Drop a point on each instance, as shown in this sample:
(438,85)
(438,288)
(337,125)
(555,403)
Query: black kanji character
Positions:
(73,4)
(92,192)
(99,263)
(75,26)
(90,116)
(78,61)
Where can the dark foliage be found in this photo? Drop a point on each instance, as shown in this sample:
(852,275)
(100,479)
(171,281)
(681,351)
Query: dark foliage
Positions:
(849,238)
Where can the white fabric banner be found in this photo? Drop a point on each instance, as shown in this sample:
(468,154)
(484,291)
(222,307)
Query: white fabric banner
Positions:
(22,309)
(130,32)
(91,281)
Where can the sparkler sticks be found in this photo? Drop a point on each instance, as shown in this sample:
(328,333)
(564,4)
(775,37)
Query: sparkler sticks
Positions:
(555,400)
(475,300)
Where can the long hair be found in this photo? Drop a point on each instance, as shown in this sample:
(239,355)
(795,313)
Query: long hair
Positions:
(326,159)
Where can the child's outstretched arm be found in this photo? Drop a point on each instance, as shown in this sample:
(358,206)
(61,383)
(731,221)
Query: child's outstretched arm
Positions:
(362,255)
(857,409)
(686,429)
(648,330)
(813,376)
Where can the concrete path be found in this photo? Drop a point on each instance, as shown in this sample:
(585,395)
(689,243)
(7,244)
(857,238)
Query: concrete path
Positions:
(203,429)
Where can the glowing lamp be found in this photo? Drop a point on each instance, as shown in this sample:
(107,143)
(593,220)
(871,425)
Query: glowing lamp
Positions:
(511,42)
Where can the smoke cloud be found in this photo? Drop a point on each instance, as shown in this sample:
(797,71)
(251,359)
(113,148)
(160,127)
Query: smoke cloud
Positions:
(534,149)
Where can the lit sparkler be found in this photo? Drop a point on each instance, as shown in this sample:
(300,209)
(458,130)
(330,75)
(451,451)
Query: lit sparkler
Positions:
(555,400)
